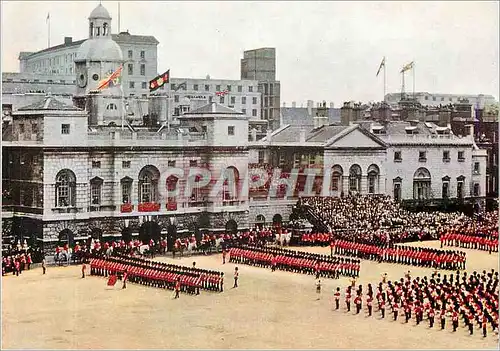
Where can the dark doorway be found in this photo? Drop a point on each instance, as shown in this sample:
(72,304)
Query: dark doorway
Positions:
(96,234)
(66,237)
(171,236)
(127,235)
(231,227)
(149,230)
(277,219)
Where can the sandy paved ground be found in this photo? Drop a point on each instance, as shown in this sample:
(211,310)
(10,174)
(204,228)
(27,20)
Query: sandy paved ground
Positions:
(268,310)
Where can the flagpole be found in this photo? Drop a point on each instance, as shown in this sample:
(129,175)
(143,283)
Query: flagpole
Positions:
(123,105)
(384,80)
(48,30)
(413,71)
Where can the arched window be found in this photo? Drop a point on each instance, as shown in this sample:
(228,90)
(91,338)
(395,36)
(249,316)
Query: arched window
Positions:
(355,178)
(65,189)
(105,29)
(148,184)
(111,106)
(97,31)
(460,186)
(337,173)
(373,179)
(91,30)
(422,184)
(230,186)
(397,188)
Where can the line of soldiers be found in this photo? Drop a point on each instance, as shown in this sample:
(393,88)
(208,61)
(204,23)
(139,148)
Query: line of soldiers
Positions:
(472,298)
(158,274)
(486,243)
(17,263)
(414,256)
(295,261)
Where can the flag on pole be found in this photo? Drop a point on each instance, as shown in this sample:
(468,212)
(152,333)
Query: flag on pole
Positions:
(48,17)
(159,81)
(114,79)
(407,67)
(222,93)
(382,64)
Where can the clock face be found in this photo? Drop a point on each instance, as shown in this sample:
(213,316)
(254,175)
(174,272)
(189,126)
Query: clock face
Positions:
(82,80)
(95,77)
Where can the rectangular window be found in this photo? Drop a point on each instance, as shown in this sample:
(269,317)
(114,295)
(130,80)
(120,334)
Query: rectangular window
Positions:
(171,163)
(96,164)
(207,87)
(64,128)
(144,85)
(21,128)
(210,99)
(460,188)
(442,99)
(130,54)
(335,184)
(446,156)
(221,99)
(476,189)
(193,163)
(461,157)
(131,85)
(476,167)
(422,156)
(230,130)
(176,111)
(233,100)
(240,88)
(126,192)
(228,88)
(250,89)
(204,129)
(446,190)
(254,100)
(217,87)
(244,100)
(95,193)
(244,110)
(397,156)
(176,98)
(254,112)
(125,164)
(433,98)
(172,86)
(130,69)
(261,156)
(143,54)
(195,87)
(143,70)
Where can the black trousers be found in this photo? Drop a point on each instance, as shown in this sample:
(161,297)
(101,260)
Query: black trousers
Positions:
(336,304)
(235,283)
(383,312)
(443,322)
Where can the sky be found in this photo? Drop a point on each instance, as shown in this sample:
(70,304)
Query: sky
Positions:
(325,50)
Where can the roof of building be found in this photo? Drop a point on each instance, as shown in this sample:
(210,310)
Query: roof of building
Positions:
(291,133)
(214,108)
(100,12)
(49,104)
(300,115)
(100,49)
(123,37)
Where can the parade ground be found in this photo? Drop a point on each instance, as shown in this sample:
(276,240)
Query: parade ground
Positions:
(276,310)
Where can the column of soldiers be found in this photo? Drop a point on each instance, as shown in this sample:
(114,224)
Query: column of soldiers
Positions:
(415,256)
(471,298)
(158,274)
(295,261)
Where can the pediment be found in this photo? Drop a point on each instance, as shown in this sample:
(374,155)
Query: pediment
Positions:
(355,137)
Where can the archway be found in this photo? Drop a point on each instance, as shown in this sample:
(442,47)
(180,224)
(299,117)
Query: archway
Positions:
(149,230)
(96,234)
(66,237)
(422,184)
(355,179)
(231,227)
(260,220)
(337,174)
(127,235)
(373,179)
(277,219)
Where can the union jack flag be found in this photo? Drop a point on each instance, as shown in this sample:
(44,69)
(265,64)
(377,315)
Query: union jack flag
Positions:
(222,93)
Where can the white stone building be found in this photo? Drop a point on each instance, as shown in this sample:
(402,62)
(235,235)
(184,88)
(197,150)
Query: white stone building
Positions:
(435,99)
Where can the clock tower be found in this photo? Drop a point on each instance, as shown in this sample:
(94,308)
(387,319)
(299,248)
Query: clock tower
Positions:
(96,59)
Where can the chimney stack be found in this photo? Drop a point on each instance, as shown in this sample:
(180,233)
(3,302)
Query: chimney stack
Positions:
(346,114)
(309,107)
(294,104)
(68,40)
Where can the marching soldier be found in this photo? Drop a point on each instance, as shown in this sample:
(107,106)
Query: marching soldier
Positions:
(337,298)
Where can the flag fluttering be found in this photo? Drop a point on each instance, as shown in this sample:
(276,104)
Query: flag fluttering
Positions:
(114,79)
(407,67)
(159,81)
(382,64)
(48,17)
